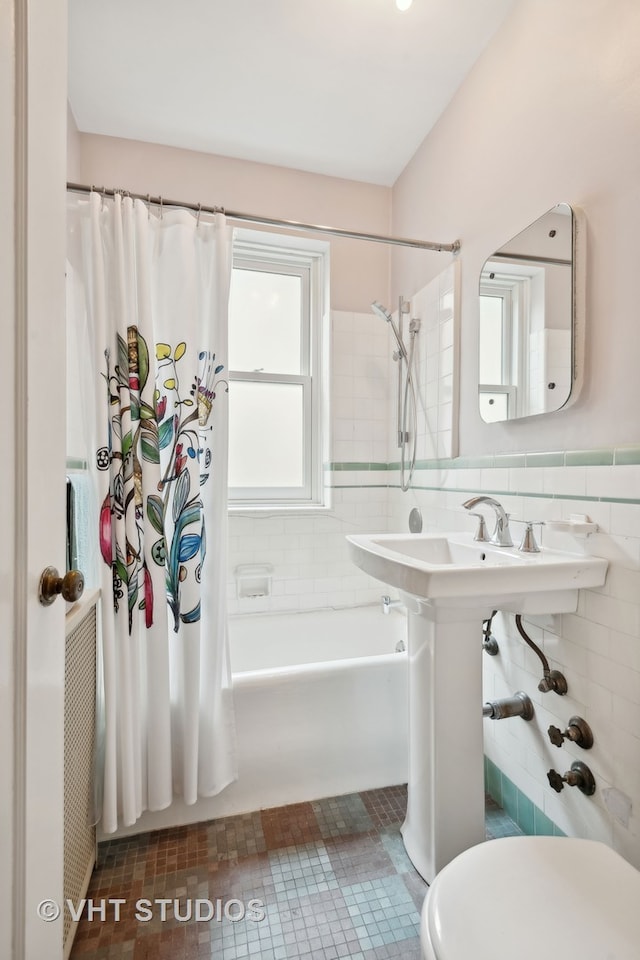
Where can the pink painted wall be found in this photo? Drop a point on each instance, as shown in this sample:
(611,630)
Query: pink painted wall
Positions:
(549,113)
(359,271)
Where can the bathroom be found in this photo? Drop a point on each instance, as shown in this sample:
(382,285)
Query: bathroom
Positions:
(546,114)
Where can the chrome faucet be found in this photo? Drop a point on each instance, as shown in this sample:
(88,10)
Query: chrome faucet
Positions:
(501,535)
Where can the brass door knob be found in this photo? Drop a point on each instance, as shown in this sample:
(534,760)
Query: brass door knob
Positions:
(70,586)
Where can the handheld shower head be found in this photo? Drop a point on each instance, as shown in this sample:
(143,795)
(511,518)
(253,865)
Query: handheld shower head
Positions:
(407,405)
(381,311)
(384,314)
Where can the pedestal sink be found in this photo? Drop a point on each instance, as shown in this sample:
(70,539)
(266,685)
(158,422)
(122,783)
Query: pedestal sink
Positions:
(450,584)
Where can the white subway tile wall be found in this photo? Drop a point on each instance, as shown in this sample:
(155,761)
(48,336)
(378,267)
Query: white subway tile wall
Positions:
(597,647)
(435,363)
(311,566)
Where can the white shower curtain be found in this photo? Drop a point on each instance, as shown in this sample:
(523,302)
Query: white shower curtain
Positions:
(152,288)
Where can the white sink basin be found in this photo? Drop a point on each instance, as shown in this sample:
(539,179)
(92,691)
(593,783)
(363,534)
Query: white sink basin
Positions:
(452,569)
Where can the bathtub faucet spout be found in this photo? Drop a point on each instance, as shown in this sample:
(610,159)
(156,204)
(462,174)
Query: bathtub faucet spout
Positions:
(387,603)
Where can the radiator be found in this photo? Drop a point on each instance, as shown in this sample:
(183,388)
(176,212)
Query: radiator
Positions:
(79,739)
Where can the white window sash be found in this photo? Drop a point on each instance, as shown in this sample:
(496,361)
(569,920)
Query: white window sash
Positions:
(309,261)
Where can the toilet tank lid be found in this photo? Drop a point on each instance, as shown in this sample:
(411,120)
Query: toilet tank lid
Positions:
(519,896)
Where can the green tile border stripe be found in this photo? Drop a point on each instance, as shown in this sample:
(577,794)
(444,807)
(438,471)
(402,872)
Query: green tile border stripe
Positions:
(529,494)
(357,486)
(601,456)
(516,804)
(337,467)
(626,455)
(591,458)
(598,457)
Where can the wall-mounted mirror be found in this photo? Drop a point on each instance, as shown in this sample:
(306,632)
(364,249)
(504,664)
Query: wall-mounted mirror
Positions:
(527,311)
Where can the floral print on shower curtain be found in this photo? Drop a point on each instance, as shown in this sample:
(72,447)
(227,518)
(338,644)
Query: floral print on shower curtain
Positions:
(168,425)
(153,288)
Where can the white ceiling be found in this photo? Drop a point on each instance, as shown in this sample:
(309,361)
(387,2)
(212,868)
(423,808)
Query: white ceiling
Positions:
(348,88)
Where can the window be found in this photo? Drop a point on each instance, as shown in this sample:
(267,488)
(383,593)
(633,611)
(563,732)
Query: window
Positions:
(496,389)
(277,340)
(504,330)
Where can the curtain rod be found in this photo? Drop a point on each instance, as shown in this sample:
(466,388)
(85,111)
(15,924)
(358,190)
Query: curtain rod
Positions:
(271,221)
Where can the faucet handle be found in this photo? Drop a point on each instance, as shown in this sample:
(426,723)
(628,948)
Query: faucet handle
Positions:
(528,544)
(481,533)
(579,776)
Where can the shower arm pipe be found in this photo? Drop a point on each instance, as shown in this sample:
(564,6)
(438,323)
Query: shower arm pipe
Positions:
(270,221)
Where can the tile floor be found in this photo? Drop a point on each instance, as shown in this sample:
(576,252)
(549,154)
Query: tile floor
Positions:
(331,879)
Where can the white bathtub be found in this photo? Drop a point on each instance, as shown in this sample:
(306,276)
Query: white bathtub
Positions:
(321,710)
(321,704)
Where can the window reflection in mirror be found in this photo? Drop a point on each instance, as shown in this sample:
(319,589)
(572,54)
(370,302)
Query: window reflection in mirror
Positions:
(526,321)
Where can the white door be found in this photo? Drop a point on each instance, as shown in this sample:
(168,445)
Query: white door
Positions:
(32,479)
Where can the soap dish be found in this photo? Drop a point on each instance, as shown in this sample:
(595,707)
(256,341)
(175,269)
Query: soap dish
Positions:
(579,524)
(253,580)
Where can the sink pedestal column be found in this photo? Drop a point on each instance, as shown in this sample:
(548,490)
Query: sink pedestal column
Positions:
(445,805)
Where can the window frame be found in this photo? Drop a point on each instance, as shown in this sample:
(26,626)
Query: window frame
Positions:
(308,259)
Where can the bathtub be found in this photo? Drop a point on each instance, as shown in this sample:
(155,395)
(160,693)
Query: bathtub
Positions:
(321,704)
(321,710)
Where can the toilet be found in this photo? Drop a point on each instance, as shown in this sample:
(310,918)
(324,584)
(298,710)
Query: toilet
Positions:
(529,898)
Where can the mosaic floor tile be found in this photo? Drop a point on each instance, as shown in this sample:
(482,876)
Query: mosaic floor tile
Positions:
(360,857)
(319,926)
(331,877)
(300,871)
(382,911)
(248,878)
(255,935)
(287,826)
(497,822)
(340,816)
(416,886)
(233,837)
(394,846)
(406,949)
(386,807)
